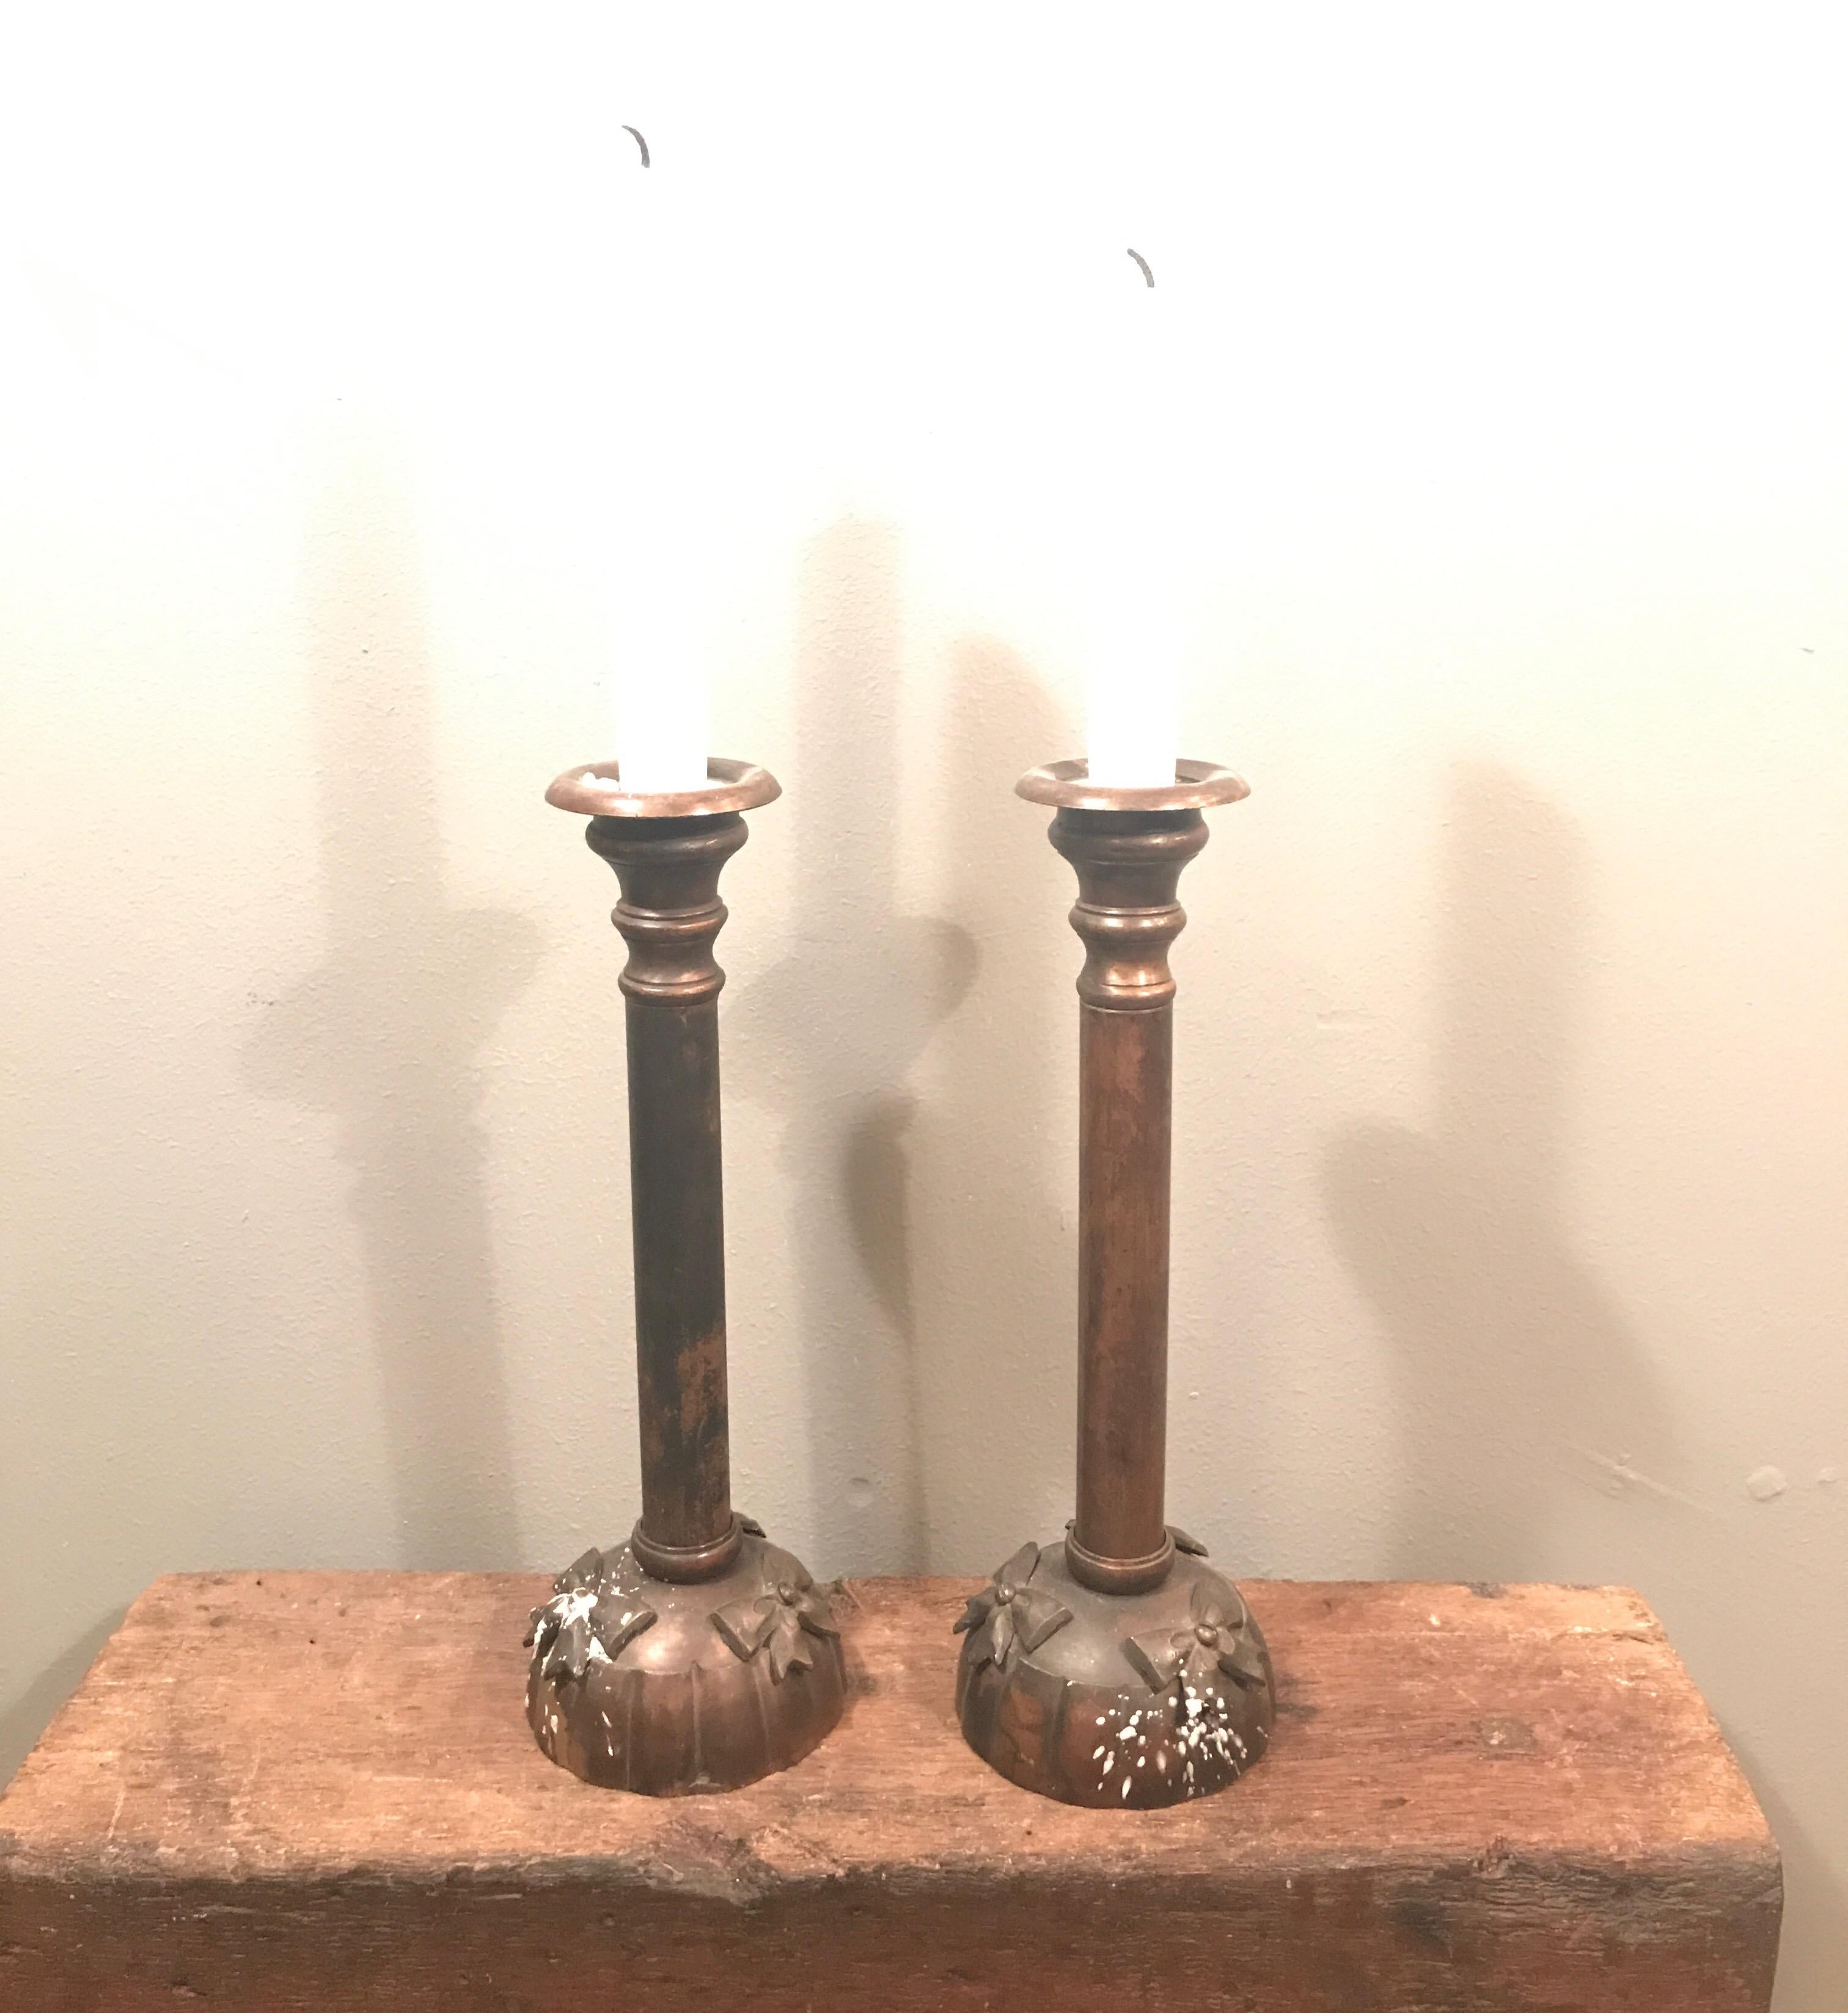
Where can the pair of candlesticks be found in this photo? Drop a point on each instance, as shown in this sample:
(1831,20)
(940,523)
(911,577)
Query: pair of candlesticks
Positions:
(1113,1667)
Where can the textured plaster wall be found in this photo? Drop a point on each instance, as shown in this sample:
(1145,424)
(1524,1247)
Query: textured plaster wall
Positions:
(1512,1132)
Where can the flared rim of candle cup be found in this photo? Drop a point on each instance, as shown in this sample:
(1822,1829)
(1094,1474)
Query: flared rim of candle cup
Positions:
(1197,786)
(595,789)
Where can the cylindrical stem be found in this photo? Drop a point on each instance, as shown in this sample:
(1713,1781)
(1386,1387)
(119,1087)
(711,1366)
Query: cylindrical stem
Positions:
(1128,866)
(668,916)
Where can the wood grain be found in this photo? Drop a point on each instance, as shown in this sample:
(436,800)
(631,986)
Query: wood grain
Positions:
(317,1791)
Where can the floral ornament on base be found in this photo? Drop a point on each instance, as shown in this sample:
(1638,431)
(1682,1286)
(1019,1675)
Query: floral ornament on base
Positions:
(1010,1613)
(784,1616)
(595,1609)
(1215,1644)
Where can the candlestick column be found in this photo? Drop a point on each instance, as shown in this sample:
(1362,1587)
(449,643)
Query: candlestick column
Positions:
(670,916)
(697,1655)
(1128,864)
(1118,1668)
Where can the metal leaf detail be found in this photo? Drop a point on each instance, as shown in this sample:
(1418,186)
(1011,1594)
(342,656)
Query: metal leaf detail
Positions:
(1215,1642)
(594,1611)
(1157,1657)
(790,1610)
(745,1625)
(1243,1664)
(1010,1613)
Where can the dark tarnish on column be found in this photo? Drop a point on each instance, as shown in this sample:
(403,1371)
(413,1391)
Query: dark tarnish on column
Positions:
(670,916)
(697,1655)
(1118,1668)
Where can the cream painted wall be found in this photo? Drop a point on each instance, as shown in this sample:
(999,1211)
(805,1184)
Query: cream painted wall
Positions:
(1512,1154)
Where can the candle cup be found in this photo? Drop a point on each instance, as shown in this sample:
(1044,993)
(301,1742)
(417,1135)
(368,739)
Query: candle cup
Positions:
(697,1655)
(1116,1667)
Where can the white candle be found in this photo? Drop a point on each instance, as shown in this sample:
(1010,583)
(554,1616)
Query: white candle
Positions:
(659,682)
(1133,724)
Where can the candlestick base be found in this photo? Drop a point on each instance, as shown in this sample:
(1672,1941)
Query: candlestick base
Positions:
(1112,1700)
(672,1687)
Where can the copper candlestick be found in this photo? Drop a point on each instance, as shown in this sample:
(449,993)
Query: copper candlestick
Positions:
(697,1655)
(1117,1667)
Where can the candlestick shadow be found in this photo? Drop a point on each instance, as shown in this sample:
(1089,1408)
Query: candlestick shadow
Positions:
(1519,1379)
(384,1033)
(1815,1925)
(836,1026)
(25,1716)
(1003,1142)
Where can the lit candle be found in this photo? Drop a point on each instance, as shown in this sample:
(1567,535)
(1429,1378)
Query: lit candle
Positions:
(1133,719)
(659,683)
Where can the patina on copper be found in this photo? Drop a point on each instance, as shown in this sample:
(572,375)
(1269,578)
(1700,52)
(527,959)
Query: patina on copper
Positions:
(1118,1667)
(697,1655)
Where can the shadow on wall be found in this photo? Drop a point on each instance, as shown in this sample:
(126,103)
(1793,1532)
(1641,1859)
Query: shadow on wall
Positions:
(838,1023)
(1518,1377)
(29,1714)
(384,1033)
(1005,1286)
(1815,1927)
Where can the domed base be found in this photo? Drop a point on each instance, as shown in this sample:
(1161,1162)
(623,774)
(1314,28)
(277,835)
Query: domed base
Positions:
(1114,1700)
(673,1688)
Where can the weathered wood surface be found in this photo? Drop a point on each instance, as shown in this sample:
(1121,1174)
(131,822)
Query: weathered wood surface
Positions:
(317,1791)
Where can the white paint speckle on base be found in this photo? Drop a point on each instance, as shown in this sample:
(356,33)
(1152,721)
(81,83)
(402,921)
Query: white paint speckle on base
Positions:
(574,1606)
(1206,1737)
